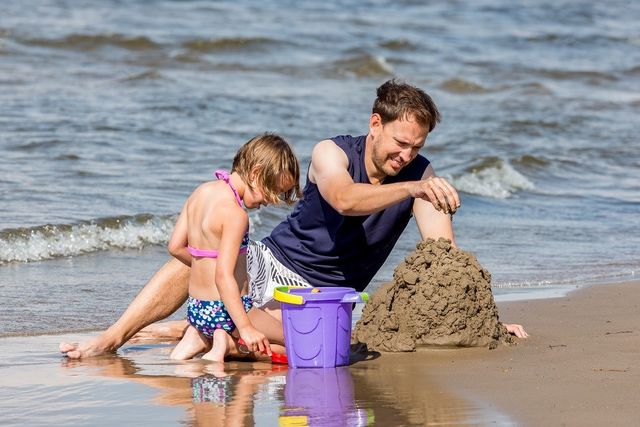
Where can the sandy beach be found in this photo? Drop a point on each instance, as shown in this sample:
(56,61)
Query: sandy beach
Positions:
(579,367)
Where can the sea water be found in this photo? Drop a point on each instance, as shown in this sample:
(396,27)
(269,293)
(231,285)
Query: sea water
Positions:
(112,112)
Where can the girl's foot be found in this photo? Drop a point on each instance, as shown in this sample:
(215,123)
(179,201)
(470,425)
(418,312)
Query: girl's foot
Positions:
(191,344)
(222,342)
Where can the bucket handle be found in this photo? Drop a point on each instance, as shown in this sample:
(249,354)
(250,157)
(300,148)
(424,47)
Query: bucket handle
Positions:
(355,297)
(281,294)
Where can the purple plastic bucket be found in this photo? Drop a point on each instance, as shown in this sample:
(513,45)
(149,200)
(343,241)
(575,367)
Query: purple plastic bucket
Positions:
(317,325)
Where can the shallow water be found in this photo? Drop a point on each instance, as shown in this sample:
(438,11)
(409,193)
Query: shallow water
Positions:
(111,112)
(141,386)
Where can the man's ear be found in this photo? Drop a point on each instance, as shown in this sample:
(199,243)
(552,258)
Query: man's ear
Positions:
(375,124)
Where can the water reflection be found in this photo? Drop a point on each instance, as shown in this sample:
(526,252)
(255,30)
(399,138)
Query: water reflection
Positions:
(211,394)
(227,394)
(322,397)
(213,389)
(390,390)
(239,393)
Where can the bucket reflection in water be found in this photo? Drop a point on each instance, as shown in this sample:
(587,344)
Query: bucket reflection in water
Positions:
(322,397)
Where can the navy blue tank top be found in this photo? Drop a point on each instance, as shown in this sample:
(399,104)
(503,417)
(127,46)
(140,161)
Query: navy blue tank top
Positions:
(329,249)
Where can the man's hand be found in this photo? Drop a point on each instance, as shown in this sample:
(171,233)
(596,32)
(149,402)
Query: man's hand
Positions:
(516,330)
(438,192)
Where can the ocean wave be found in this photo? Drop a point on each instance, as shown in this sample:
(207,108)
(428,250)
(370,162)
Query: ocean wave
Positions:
(576,74)
(531,161)
(568,39)
(458,85)
(67,157)
(493,178)
(627,273)
(633,71)
(51,241)
(532,88)
(63,240)
(32,146)
(532,123)
(231,43)
(397,45)
(87,42)
(364,65)
(144,75)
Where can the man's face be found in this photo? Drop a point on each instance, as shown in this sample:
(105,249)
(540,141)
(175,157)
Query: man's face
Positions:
(395,144)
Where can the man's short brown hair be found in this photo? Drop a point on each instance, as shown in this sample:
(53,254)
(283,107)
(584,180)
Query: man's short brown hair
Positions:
(397,100)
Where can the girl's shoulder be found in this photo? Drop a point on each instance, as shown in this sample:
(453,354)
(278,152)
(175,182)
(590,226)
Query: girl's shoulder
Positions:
(216,193)
(213,189)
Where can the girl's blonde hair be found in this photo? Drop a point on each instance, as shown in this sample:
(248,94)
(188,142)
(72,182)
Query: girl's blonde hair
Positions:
(268,162)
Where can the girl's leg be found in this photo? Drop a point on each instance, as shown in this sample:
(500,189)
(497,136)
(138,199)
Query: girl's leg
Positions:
(191,344)
(269,319)
(222,343)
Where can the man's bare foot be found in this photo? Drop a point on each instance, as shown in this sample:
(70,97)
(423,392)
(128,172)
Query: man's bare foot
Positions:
(222,342)
(97,346)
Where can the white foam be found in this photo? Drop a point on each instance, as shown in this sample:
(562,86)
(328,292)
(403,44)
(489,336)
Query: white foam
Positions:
(66,240)
(499,182)
(46,242)
(384,64)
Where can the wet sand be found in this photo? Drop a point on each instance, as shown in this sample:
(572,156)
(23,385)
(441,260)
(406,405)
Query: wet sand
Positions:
(140,385)
(580,367)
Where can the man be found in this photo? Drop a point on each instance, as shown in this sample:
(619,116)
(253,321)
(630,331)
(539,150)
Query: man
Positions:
(359,197)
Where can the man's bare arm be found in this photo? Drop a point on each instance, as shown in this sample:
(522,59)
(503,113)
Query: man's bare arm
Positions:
(329,172)
(432,223)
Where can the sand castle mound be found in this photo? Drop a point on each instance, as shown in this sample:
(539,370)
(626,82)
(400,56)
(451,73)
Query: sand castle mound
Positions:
(440,295)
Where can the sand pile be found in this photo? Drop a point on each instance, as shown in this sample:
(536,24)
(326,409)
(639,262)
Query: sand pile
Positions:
(440,295)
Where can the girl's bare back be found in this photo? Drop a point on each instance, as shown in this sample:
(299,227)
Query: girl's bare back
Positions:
(206,208)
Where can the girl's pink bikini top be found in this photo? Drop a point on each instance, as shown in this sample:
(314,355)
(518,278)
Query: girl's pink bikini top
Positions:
(212,253)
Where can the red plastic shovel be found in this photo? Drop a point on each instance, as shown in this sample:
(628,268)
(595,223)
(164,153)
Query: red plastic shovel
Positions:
(277,358)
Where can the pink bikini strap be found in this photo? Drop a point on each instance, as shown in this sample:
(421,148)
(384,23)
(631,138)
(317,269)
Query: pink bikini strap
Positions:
(202,253)
(224,175)
(209,253)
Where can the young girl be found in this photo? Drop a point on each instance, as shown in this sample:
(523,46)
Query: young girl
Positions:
(211,235)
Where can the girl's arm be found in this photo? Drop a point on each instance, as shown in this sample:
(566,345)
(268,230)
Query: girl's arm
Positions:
(179,239)
(234,226)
